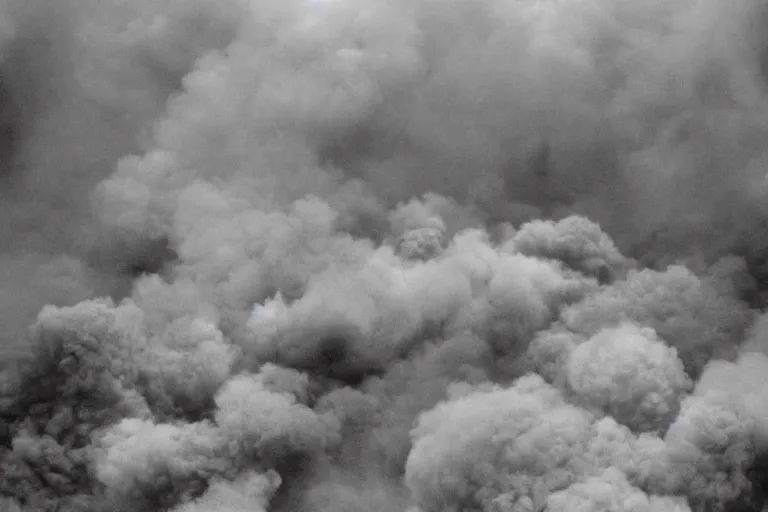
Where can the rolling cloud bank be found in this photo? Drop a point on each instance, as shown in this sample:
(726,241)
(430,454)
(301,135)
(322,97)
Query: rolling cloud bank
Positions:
(386,255)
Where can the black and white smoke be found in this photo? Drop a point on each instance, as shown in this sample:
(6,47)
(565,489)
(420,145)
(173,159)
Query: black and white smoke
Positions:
(387,255)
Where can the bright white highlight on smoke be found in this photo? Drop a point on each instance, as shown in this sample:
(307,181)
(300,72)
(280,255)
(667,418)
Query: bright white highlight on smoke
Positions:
(317,4)
(269,310)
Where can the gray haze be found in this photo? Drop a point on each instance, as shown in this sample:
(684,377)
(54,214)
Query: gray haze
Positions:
(387,255)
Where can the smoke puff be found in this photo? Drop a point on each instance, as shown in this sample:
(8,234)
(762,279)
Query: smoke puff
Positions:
(268,424)
(74,387)
(282,251)
(549,353)
(285,380)
(738,384)
(182,352)
(368,315)
(421,244)
(731,277)
(158,464)
(576,242)
(709,438)
(251,492)
(641,457)
(418,384)
(530,425)
(355,409)
(611,491)
(44,474)
(362,319)
(720,430)
(179,367)
(524,295)
(631,375)
(513,448)
(684,310)
(433,211)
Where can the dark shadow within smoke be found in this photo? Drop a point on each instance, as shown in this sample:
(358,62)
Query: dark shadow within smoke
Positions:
(127,260)
(335,360)
(10,128)
(755,500)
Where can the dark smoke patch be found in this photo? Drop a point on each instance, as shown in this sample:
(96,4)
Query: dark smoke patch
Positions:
(336,360)
(51,408)
(10,128)
(130,261)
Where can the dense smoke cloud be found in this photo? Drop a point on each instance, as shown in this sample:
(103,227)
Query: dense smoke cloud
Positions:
(422,256)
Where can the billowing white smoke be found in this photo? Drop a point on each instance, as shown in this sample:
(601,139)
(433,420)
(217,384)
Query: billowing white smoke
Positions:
(423,255)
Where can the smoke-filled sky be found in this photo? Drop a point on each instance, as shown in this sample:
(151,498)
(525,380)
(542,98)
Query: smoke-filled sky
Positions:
(383,255)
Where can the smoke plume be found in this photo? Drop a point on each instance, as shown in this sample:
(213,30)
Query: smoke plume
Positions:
(389,255)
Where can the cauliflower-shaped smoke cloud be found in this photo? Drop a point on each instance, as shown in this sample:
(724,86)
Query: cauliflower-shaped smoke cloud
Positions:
(631,375)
